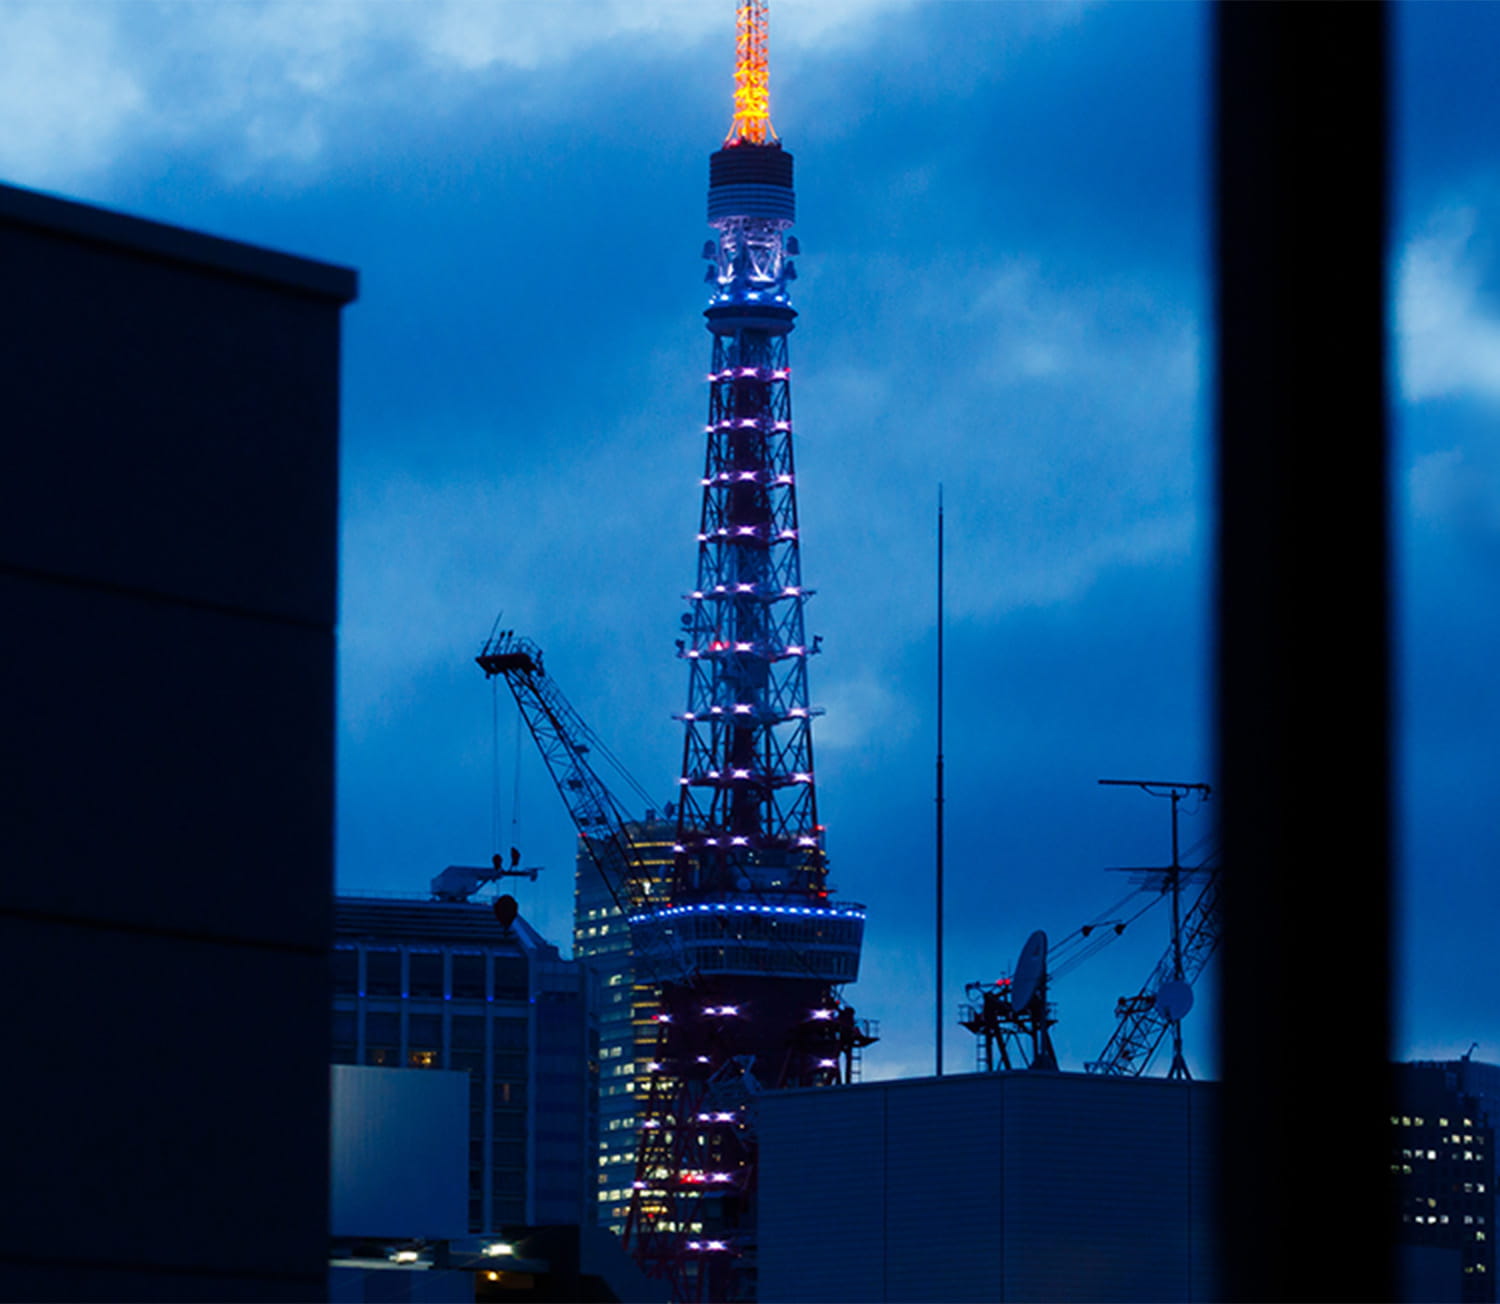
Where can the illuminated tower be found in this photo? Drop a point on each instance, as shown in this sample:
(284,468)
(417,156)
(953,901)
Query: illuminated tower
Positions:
(747,945)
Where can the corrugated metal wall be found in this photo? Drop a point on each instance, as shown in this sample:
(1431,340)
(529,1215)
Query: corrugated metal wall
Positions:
(986,1187)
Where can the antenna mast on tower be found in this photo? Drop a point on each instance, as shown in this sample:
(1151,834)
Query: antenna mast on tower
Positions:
(752,77)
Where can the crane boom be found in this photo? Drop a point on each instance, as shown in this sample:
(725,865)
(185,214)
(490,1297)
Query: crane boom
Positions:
(563,738)
(1142,1023)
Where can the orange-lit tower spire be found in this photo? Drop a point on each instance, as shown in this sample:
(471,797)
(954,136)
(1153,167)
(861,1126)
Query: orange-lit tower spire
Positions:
(752,80)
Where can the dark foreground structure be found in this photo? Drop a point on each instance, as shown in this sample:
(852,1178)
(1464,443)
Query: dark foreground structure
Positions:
(168,575)
(1303,663)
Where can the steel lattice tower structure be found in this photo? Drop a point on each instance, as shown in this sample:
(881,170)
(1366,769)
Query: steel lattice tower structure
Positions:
(748,947)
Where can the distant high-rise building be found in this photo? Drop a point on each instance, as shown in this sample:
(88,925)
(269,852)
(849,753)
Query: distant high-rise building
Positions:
(1443,1153)
(440,984)
(627,1028)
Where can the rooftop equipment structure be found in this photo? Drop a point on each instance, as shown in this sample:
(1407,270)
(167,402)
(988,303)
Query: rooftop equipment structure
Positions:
(1011,1017)
(1160,1007)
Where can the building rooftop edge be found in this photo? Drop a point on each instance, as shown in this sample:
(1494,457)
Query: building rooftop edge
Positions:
(82,221)
(1026,1075)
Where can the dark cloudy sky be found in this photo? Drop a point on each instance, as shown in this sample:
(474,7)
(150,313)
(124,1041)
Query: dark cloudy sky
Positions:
(1004,288)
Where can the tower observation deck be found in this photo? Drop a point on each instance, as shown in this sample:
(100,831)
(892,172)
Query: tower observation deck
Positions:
(748,943)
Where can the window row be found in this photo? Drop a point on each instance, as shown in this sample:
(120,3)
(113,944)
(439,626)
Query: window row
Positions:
(434,974)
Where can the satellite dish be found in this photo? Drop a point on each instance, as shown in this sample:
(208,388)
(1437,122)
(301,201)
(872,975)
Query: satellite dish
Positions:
(1174,1000)
(505,910)
(1030,971)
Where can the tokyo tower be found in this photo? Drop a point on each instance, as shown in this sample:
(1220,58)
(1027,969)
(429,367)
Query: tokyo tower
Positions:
(744,939)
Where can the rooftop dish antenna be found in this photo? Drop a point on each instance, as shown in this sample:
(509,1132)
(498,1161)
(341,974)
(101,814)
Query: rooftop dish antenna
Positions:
(1030,973)
(1011,1017)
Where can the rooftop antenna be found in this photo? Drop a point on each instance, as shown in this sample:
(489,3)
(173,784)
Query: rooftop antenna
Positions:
(1175,998)
(938,994)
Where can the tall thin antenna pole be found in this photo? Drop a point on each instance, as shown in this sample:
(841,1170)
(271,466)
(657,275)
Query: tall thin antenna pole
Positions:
(938,994)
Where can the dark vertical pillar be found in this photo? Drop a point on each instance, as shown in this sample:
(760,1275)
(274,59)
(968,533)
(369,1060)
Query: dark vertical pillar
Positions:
(1303,660)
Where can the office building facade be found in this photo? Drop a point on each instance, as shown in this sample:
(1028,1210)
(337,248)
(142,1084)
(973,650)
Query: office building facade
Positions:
(1443,1156)
(442,985)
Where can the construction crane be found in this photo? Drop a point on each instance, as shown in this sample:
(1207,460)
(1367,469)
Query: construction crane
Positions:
(566,743)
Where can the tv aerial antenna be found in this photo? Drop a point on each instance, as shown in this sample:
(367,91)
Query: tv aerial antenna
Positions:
(1174,998)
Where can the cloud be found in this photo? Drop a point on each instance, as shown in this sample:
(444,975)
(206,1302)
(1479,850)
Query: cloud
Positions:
(1448,329)
(66,97)
(1062,416)
(90,86)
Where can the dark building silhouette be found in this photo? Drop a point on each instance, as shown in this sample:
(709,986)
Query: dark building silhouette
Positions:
(168,571)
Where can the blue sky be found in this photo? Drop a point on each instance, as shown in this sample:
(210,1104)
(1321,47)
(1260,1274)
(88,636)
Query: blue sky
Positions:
(1004,288)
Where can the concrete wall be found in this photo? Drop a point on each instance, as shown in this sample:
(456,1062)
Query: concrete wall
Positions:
(983,1187)
(168,520)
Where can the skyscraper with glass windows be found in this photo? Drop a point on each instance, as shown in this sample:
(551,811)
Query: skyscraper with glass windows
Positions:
(627,1009)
